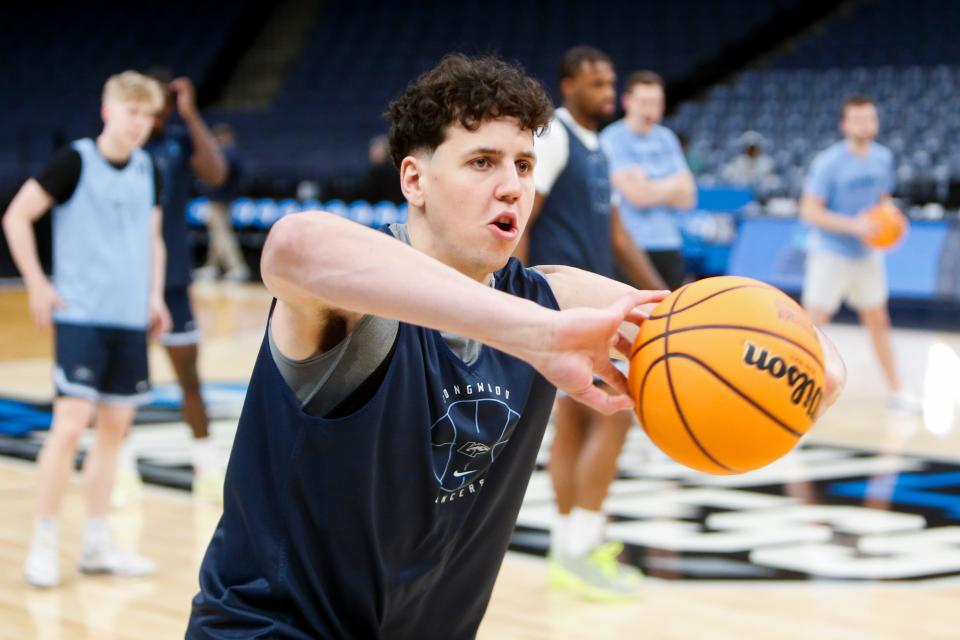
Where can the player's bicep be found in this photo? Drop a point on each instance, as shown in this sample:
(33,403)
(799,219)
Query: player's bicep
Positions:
(818,179)
(31,201)
(300,320)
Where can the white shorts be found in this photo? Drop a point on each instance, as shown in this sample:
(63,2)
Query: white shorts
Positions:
(831,279)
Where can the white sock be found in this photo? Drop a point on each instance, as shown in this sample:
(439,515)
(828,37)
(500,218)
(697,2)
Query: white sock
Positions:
(96,532)
(558,534)
(45,531)
(585,531)
(203,455)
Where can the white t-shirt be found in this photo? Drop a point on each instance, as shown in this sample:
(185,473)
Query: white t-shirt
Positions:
(553,149)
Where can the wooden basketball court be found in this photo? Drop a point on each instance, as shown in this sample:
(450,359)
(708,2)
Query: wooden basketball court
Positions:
(173,528)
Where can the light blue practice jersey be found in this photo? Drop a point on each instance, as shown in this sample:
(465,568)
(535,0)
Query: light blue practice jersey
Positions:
(659,154)
(102,242)
(848,184)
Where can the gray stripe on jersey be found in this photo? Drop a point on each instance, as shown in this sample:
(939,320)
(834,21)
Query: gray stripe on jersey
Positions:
(323,381)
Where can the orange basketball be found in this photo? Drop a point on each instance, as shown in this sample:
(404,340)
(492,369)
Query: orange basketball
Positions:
(891,225)
(727,374)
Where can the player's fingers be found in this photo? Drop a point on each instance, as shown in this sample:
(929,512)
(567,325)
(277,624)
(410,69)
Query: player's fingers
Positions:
(643,310)
(654,295)
(622,344)
(637,315)
(611,375)
(42,317)
(601,401)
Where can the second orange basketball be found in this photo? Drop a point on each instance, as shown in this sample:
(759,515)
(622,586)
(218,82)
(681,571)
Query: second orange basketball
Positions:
(727,374)
(890,225)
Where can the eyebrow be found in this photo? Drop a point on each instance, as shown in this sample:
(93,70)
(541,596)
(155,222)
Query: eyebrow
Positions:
(490,151)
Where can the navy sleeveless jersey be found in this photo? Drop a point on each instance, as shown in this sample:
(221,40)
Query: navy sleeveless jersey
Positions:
(171,152)
(573,227)
(391,522)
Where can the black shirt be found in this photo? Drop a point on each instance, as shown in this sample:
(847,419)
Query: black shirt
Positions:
(62,174)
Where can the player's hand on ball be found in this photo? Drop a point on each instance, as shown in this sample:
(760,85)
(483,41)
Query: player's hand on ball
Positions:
(836,372)
(862,226)
(578,347)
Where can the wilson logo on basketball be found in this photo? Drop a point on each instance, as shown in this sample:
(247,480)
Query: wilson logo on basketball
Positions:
(805,390)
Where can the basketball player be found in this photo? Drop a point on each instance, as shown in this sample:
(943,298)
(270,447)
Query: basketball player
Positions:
(397,406)
(573,223)
(105,296)
(650,173)
(845,180)
(181,152)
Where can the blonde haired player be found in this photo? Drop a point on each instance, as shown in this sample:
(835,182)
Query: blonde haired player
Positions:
(104,299)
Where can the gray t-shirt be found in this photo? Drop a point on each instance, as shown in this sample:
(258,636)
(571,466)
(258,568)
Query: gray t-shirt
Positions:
(322,381)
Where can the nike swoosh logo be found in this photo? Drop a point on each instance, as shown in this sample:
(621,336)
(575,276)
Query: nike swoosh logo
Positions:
(459,474)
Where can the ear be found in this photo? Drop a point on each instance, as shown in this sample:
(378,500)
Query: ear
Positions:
(411,180)
(624,100)
(104,112)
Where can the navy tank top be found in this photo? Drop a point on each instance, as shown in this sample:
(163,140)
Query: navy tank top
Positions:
(573,228)
(389,522)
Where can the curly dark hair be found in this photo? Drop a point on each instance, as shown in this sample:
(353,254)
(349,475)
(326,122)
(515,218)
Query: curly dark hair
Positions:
(465,90)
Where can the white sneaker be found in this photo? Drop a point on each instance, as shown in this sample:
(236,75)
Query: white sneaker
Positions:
(904,403)
(205,273)
(111,560)
(239,274)
(42,568)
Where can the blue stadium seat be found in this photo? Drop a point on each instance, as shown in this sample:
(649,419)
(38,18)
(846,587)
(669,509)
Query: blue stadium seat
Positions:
(197,212)
(336,207)
(243,212)
(361,211)
(267,212)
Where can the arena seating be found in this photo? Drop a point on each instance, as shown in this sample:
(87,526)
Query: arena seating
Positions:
(905,56)
(363,53)
(55,64)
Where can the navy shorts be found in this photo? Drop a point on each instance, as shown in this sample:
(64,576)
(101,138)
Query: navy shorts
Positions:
(184,330)
(105,365)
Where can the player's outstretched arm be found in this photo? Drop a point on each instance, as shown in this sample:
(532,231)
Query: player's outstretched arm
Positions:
(320,266)
(574,287)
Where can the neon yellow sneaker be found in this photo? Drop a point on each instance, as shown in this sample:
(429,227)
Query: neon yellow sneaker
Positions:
(597,575)
(208,485)
(127,488)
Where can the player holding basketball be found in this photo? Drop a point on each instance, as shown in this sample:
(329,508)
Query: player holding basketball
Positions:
(377,501)
(845,180)
(651,175)
(106,294)
(573,223)
(181,152)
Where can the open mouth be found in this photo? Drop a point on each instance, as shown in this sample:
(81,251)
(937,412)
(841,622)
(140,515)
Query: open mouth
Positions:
(505,223)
